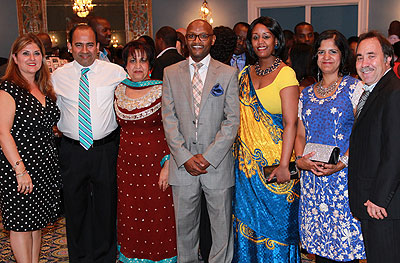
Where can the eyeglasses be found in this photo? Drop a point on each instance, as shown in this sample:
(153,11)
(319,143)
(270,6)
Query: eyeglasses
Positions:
(202,37)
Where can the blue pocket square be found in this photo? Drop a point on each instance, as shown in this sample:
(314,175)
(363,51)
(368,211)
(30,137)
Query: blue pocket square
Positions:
(217,90)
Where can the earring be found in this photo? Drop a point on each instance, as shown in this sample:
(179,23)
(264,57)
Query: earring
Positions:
(276,46)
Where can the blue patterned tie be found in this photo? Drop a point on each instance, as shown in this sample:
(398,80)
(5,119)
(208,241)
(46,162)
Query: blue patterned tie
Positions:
(85,124)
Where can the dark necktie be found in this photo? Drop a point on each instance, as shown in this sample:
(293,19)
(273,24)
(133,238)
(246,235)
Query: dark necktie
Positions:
(361,102)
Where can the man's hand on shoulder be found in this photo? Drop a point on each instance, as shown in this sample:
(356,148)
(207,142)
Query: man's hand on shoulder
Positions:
(195,165)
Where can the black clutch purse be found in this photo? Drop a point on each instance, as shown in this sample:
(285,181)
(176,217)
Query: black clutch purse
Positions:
(323,153)
(294,172)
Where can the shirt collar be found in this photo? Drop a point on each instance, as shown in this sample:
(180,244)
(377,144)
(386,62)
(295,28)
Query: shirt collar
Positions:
(205,61)
(92,67)
(165,50)
(240,57)
(371,87)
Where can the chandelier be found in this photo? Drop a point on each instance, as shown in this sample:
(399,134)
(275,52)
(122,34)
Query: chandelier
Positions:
(82,7)
(205,12)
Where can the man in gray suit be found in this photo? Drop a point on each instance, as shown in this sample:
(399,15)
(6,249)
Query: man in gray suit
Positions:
(200,109)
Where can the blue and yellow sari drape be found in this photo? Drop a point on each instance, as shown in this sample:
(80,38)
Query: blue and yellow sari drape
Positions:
(265,215)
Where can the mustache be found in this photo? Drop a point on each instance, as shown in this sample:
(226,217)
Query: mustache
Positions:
(365,69)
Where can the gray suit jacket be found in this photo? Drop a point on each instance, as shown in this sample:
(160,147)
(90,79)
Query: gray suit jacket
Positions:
(217,125)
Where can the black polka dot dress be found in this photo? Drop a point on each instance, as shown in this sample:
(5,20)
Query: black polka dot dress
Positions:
(33,135)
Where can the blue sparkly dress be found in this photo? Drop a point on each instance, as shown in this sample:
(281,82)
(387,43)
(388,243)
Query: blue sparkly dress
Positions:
(327,227)
(265,215)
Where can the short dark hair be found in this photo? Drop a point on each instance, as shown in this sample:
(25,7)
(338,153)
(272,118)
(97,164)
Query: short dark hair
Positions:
(302,24)
(224,44)
(168,35)
(387,48)
(129,49)
(341,42)
(275,29)
(83,26)
(241,24)
(352,39)
(301,57)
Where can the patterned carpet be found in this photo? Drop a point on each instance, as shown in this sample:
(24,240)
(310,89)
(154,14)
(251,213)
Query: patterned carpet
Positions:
(54,245)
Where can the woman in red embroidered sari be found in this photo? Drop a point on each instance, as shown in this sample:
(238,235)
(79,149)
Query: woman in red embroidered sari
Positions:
(146,222)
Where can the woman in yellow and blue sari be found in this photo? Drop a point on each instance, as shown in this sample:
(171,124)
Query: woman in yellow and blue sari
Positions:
(265,214)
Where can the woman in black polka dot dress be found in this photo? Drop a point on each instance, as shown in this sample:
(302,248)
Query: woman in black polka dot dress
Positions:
(29,172)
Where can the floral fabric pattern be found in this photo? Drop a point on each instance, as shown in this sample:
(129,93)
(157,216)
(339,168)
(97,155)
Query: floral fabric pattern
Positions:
(327,227)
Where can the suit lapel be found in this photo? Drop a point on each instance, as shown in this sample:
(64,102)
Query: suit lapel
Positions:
(184,73)
(371,98)
(211,78)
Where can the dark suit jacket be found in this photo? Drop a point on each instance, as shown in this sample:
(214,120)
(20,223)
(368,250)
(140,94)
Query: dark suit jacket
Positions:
(168,58)
(374,157)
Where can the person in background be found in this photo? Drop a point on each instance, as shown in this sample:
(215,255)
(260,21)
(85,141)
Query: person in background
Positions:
(396,67)
(89,148)
(181,45)
(374,167)
(304,33)
(225,44)
(240,57)
(300,58)
(148,40)
(352,41)
(265,215)
(289,42)
(166,51)
(326,116)
(30,180)
(394,32)
(200,109)
(103,30)
(145,211)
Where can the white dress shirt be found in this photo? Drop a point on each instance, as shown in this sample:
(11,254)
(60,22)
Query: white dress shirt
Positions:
(103,78)
(203,70)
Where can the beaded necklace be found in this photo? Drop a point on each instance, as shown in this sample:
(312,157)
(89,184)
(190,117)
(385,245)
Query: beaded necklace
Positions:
(266,71)
(322,92)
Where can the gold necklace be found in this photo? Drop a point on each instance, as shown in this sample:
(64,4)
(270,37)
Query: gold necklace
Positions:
(322,92)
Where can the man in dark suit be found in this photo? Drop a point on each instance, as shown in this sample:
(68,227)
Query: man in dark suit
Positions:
(166,49)
(374,164)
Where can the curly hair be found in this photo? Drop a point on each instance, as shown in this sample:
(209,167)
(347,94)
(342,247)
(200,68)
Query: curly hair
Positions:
(224,45)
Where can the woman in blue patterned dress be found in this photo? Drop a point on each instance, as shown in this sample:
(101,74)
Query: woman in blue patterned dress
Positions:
(326,116)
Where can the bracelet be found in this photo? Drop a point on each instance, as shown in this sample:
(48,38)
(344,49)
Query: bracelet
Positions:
(344,159)
(164,159)
(21,174)
(298,157)
(16,164)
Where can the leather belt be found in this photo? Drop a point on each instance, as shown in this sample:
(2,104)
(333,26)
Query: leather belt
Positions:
(96,143)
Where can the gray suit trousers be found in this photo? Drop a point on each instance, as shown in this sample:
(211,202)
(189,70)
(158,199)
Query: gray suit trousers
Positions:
(187,216)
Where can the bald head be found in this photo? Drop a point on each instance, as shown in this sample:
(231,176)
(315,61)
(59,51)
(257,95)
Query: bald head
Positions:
(200,22)
(46,40)
(199,38)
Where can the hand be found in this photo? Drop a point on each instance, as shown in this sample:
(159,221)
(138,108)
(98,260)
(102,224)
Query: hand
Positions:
(305,163)
(163,180)
(25,185)
(193,166)
(204,164)
(328,169)
(375,211)
(281,173)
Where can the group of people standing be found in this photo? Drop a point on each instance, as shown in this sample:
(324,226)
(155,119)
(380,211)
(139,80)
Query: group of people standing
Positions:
(137,153)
